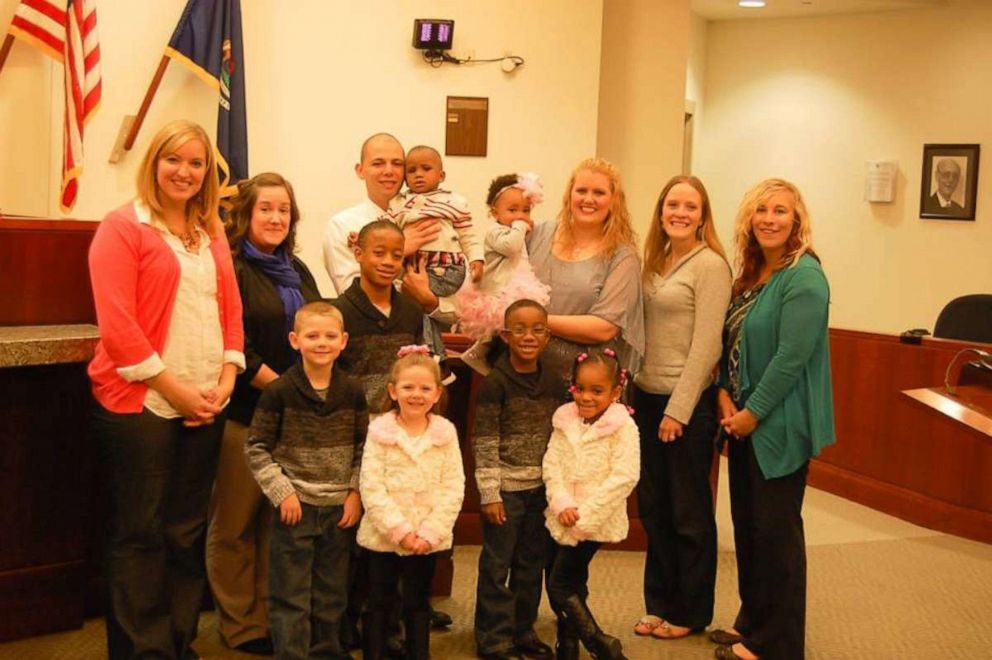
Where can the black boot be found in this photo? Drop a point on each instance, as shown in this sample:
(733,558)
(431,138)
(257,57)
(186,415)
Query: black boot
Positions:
(418,635)
(374,635)
(567,644)
(600,645)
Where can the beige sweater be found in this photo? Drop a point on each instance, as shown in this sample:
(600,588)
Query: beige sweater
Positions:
(683,318)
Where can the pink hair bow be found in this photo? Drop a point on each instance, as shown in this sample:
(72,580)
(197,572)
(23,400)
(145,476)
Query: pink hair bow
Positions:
(413,348)
(531,186)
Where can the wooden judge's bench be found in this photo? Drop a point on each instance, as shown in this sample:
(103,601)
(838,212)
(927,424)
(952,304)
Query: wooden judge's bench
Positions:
(919,455)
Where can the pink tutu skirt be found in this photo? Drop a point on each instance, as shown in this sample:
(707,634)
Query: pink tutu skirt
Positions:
(481,310)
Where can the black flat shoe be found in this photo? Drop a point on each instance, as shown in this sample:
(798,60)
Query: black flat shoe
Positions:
(440,619)
(725,638)
(533,648)
(257,646)
(726,653)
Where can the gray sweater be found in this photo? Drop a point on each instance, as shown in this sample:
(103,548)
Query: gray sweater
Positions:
(684,314)
(299,443)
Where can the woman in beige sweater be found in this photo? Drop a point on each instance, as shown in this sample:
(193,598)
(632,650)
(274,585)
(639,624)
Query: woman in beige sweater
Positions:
(686,292)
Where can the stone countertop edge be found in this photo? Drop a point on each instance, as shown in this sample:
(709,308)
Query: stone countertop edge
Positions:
(35,345)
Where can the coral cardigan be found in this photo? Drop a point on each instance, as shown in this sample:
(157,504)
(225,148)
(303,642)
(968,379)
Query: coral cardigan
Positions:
(135,276)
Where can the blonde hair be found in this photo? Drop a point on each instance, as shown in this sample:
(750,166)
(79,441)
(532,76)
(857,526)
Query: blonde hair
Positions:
(617,230)
(202,208)
(409,361)
(239,219)
(749,257)
(658,244)
(317,308)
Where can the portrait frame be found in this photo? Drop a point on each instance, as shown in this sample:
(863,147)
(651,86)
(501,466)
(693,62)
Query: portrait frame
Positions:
(941,201)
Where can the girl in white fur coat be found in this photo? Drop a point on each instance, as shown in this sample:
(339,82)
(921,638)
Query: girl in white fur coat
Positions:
(592,464)
(412,485)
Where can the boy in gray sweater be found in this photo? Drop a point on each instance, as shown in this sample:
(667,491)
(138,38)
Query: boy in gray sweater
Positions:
(509,436)
(305,449)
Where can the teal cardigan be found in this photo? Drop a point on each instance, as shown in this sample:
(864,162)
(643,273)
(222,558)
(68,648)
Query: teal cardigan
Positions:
(785,369)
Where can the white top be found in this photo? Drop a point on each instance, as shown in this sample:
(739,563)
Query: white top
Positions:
(339,260)
(194,348)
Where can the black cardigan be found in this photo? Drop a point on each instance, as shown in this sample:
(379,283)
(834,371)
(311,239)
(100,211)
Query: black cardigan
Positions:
(266,337)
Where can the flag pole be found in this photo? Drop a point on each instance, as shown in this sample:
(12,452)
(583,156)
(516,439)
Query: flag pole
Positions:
(7,43)
(146,103)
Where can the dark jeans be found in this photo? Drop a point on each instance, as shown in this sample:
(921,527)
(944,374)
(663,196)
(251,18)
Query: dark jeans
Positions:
(308,583)
(570,572)
(771,555)
(511,566)
(676,508)
(387,570)
(442,285)
(161,474)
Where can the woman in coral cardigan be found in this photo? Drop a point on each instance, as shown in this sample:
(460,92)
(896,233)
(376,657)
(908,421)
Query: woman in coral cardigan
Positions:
(171,343)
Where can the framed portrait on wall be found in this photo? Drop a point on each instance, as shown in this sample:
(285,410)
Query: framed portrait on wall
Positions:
(949,183)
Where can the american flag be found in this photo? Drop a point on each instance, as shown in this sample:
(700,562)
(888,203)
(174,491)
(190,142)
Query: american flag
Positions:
(66,30)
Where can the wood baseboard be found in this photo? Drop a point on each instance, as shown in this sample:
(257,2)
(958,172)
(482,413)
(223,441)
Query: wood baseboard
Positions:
(40,600)
(902,503)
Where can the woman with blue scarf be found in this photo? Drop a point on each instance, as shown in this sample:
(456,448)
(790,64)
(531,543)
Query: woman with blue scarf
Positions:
(274,284)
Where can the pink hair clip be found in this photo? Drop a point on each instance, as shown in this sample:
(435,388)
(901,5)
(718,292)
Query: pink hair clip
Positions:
(420,349)
(572,389)
(630,411)
(582,357)
(609,351)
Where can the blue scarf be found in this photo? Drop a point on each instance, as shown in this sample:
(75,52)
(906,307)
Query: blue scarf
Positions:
(279,268)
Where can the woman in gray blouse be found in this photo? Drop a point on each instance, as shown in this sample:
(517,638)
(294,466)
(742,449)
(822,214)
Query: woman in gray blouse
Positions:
(589,259)
(686,292)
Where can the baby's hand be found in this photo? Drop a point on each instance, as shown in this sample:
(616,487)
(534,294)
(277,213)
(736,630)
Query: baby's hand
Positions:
(290,510)
(569,517)
(352,240)
(476,268)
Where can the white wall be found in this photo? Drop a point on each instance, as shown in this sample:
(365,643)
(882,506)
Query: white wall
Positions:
(812,99)
(321,76)
(642,96)
(695,74)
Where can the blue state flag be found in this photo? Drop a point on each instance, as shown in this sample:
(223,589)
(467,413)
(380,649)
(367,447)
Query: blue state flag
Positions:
(207,40)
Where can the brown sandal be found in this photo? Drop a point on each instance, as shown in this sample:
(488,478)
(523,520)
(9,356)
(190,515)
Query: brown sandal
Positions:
(667,632)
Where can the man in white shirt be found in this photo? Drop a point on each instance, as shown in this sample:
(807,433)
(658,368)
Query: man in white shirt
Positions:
(381,167)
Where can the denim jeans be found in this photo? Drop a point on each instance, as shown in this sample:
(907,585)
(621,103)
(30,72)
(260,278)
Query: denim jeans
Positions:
(161,473)
(511,566)
(442,284)
(308,583)
(676,507)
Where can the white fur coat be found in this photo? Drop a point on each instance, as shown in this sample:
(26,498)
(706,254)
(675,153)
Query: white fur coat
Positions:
(592,468)
(410,486)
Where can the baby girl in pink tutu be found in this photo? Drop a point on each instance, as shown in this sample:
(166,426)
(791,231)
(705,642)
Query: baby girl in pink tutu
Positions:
(508,275)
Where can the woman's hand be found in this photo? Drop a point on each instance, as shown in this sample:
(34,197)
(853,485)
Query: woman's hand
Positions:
(417,286)
(186,399)
(741,424)
(670,429)
(725,404)
(418,234)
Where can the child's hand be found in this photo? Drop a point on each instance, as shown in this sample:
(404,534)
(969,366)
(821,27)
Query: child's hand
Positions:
(290,510)
(494,513)
(569,517)
(421,547)
(352,510)
(409,542)
(476,267)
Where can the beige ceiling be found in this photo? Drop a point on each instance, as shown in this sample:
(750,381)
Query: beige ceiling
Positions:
(728,9)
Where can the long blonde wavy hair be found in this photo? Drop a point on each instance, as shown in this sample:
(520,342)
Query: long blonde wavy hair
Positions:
(617,230)
(749,259)
(203,207)
(658,243)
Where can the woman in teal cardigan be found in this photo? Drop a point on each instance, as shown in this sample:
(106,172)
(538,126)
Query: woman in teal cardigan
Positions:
(776,406)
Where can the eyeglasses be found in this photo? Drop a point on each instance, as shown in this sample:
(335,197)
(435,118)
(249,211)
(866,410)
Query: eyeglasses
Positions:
(522,331)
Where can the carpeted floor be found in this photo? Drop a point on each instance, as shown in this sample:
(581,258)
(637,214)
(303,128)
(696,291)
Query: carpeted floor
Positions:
(879,588)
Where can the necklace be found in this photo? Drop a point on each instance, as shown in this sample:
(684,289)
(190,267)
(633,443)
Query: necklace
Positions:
(189,239)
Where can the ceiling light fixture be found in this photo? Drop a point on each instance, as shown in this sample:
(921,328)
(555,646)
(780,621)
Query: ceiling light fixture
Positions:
(751,4)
